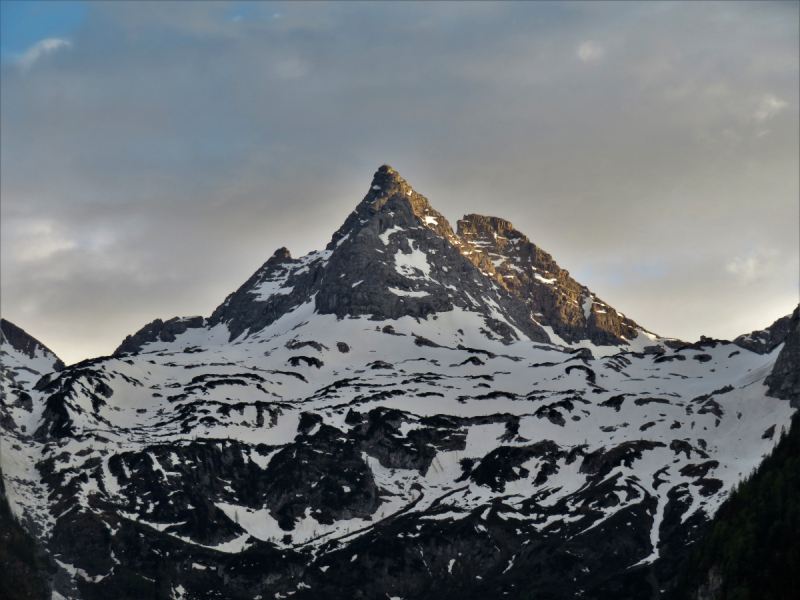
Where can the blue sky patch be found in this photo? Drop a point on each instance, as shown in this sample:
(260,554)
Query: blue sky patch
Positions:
(24,23)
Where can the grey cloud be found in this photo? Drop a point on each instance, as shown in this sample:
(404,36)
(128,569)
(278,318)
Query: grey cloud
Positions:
(171,150)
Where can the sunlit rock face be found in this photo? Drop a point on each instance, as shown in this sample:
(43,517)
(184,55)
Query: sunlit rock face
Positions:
(412,412)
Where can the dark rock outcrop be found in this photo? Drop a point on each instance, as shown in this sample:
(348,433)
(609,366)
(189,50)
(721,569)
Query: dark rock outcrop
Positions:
(158,330)
(766,340)
(784,380)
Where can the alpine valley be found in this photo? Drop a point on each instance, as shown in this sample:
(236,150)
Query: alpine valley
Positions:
(414,412)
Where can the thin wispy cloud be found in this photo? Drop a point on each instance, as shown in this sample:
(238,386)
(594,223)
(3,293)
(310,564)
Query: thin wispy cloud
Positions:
(754,265)
(36,240)
(39,50)
(768,106)
(590,52)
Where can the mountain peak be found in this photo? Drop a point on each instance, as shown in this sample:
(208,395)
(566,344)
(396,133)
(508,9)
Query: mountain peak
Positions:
(395,256)
(23,361)
(386,174)
(24,343)
(388,194)
(281,254)
(387,183)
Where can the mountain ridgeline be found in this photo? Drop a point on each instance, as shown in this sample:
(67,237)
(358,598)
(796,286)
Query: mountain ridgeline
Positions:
(411,412)
(486,266)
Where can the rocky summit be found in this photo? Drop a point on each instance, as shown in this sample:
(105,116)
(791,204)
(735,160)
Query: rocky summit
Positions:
(413,412)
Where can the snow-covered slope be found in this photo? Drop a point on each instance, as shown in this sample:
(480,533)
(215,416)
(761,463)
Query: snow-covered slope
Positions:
(23,358)
(23,361)
(384,419)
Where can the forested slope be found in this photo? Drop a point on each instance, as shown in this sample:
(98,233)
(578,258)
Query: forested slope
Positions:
(753,550)
(22,571)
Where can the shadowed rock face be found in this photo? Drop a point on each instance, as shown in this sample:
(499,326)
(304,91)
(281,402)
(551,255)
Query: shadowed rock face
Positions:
(551,295)
(784,380)
(766,340)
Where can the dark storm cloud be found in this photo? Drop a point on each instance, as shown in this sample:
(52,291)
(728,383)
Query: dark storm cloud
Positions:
(158,156)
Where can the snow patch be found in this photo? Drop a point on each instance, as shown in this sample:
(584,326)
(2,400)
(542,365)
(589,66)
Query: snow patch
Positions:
(408,265)
(397,292)
(587,307)
(385,235)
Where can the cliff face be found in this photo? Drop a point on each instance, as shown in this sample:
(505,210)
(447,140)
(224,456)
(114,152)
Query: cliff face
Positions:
(766,340)
(551,295)
(158,331)
(711,589)
(784,380)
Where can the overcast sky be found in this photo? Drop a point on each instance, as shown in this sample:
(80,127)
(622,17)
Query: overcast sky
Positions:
(154,155)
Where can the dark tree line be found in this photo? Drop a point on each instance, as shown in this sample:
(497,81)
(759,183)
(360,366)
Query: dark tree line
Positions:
(754,543)
(23,569)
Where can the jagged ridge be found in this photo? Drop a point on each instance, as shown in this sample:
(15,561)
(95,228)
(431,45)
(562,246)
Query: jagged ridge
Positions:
(396,256)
